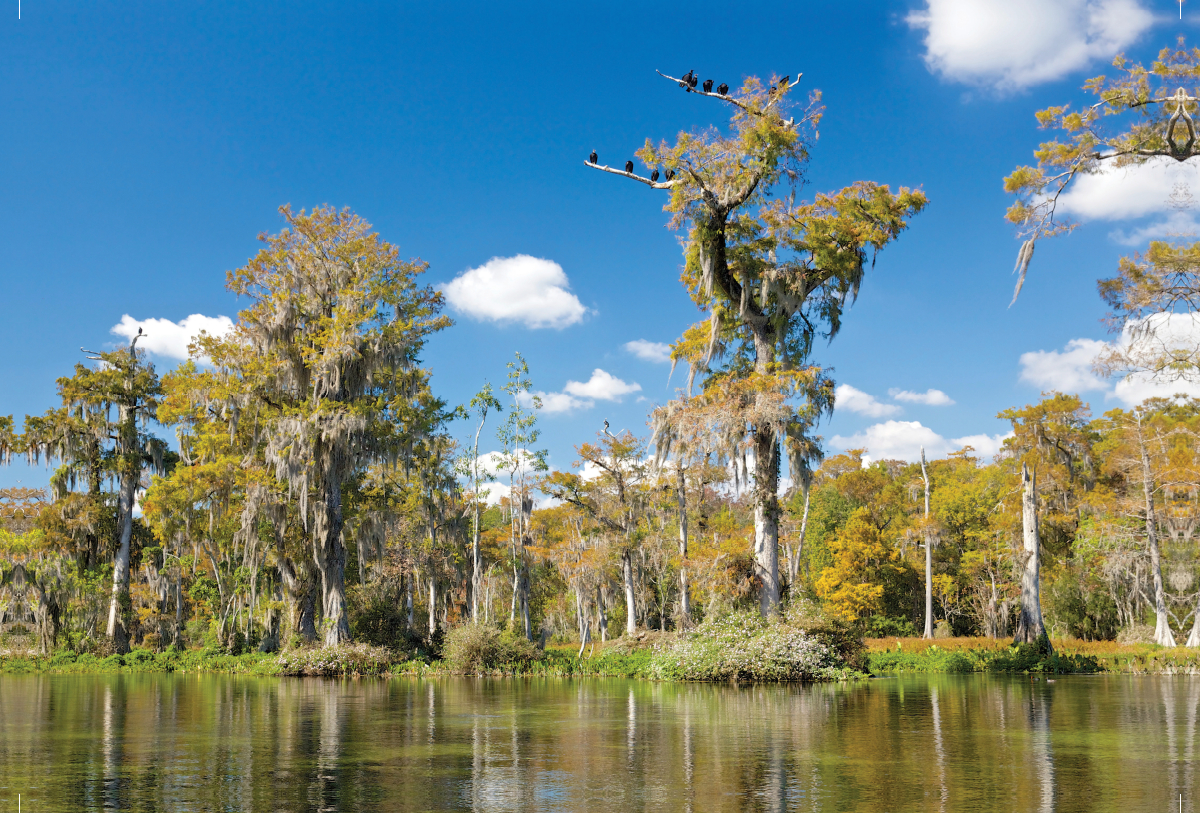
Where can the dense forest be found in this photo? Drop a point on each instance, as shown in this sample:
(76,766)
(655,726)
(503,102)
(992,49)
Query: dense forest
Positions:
(299,481)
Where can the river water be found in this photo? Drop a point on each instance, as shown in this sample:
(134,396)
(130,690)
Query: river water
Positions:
(971,743)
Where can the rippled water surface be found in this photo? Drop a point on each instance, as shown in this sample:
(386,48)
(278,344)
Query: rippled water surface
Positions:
(975,743)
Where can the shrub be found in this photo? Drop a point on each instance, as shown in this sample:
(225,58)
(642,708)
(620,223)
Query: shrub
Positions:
(332,661)
(744,646)
(881,626)
(477,648)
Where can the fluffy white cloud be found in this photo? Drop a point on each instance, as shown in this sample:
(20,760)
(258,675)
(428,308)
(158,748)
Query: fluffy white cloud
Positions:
(855,400)
(171,339)
(602,386)
(929,397)
(1067,370)
(649,351)
(1070,370)
(494,464)
(524,289)
(1012,44)
(1119,193)
(902,440)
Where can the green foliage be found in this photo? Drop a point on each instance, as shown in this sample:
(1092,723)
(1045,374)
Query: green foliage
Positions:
(478,648)
(882,626)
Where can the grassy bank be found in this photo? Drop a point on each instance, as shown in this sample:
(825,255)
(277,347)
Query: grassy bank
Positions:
(963,655)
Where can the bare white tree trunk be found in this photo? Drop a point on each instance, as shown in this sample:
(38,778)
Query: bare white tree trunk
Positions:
(1194,637)
(120,591)
(1162,627)
(1030,626)
(795,554)
(928,554)
(432,602)
(602,612)
(585,627)
(630,603)
(685,598)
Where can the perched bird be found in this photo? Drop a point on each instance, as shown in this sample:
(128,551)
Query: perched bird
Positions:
(688,79)
(723,89)
(610,434)
(593,157)
(784,81)
(694,81)
(139,331)
(708,86)
(670,174)
(654,176)
(629,166)
(771,92)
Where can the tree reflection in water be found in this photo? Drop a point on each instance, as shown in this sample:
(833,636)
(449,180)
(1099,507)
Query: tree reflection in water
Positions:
(186,742)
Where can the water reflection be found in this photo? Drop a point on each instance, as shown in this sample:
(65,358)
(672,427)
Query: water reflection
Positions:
(150,743)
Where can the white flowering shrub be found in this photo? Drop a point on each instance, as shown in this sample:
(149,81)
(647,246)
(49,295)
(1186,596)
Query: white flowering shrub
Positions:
(747,647)
(331,661)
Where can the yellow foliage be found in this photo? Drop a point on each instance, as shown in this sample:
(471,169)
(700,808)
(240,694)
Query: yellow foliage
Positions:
(852,587)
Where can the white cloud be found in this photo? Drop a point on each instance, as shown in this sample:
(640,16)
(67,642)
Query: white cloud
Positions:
(171,339)
(855,400)
(1013,44)
(493,464)
(529,290)
(929,397)
(602,386)
(1068,370)
(649,351)
(1119,193)
(902,440)
(555,401)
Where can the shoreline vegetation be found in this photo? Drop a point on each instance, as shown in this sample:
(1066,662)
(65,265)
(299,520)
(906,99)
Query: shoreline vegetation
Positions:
(783,653)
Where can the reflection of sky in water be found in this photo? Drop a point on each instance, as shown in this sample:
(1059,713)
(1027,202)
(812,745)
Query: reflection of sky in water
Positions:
(182,743)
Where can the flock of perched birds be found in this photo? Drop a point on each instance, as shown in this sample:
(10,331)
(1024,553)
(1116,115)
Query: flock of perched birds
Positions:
(688,83)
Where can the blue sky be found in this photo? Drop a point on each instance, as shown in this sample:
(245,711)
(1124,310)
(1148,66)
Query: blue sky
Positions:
(143,146)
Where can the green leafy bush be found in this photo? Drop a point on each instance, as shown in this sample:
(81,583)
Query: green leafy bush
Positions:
(478,648)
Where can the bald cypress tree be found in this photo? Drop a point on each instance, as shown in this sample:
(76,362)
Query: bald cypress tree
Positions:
(773,275)
(326,359)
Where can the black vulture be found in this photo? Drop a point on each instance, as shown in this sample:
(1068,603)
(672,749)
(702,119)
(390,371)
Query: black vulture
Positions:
(689,80)
(771,92)
(708,86)
(593,157)
(654,176)
(784,81)
(629,166)
(723,89)
(694,81)
(670,174)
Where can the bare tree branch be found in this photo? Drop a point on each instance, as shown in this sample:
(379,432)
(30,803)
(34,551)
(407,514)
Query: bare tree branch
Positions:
(647,181)
(727,98)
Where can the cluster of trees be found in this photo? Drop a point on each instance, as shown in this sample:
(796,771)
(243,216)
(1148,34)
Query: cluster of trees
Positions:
(316,492)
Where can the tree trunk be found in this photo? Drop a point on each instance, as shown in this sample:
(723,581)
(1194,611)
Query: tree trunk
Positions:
(1029,624)
(630,604)
(602,612)
(432,602)
(408,598)
(301,594)
(1162,627)
(685,598)
(585,628)
(330,550)
(928,555)
(1194,637)
(120,590)
(794,555)
(766,519)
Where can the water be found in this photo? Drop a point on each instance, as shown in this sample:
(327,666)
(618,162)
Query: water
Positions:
(973,743)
